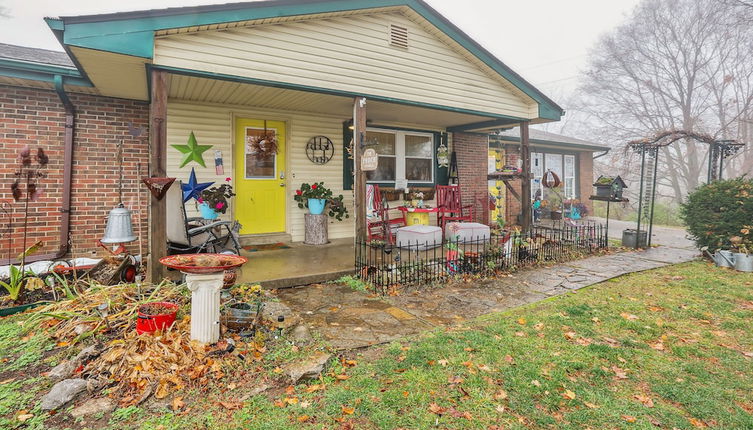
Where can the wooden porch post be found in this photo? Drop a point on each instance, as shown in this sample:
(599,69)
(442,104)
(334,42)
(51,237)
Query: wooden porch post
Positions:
(157,168)
(359,184)
(525,158)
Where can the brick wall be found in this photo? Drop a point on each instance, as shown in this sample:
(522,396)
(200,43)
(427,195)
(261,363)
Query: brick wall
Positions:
(35,117)
(586,179)
(472,151)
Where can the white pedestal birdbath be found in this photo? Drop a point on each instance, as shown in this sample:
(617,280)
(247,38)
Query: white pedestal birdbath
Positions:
(204,277)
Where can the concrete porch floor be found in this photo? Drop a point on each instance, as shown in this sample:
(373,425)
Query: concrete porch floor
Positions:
(299,265)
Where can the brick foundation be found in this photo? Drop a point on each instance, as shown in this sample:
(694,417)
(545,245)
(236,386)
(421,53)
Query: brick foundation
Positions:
(35,117)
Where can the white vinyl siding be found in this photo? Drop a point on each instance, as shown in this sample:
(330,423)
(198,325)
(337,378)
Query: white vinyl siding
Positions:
(350,54)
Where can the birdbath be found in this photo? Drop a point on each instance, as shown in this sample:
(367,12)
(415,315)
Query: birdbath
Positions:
(204,277)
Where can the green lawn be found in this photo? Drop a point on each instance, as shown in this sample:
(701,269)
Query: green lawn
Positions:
(670,348)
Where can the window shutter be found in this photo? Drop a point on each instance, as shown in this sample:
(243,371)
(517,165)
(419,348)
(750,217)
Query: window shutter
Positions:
(347,162)
(441,174)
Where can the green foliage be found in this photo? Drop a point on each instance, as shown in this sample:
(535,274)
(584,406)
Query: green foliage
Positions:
(355,283)
(718,215)
(15,283)
(335,205)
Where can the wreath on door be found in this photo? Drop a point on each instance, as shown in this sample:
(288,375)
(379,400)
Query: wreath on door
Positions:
(264,145)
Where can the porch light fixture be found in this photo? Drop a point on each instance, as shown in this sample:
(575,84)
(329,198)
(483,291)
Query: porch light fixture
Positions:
(352,127)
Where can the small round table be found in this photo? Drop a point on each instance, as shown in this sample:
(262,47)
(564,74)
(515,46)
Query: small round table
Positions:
(417,216)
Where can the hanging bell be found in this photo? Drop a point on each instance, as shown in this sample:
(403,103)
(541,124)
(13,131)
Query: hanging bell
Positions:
(119,227)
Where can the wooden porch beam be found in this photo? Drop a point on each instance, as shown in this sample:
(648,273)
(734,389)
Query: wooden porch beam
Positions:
(525,158)
(157,168)
(359,184)
(495,123)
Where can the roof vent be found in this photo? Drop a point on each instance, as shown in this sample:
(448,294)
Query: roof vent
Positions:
(398,36)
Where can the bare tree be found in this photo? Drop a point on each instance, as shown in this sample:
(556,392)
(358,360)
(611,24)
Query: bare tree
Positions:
(675,64)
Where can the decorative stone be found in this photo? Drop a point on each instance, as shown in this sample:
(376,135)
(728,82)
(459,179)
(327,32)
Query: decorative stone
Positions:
(89,353)
(308,369)
(93,406)
(62,371)
(301,335)
(205,306)
(273,310)
(62,393)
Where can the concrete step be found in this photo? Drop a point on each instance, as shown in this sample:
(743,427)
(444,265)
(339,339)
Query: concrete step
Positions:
(265,239)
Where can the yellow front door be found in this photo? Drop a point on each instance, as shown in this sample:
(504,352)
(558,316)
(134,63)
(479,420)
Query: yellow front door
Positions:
(259,178)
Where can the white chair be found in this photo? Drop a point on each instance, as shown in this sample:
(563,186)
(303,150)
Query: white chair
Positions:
(190,235)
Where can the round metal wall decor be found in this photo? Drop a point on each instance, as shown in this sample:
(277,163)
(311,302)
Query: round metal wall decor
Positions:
(320,149)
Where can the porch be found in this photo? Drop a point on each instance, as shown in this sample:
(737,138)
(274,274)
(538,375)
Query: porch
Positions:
(285,265)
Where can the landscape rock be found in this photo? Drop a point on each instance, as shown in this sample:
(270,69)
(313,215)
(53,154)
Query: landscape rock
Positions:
(93,406)
(64,370)
(301,335)
(62,393)
(308,369)
(273,310)
(89,353)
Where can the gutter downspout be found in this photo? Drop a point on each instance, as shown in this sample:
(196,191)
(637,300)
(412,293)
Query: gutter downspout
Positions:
(602,154)
(65,210)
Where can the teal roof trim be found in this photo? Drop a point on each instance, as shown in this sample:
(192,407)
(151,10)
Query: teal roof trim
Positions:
(132,33)
(554,143)
(41,72)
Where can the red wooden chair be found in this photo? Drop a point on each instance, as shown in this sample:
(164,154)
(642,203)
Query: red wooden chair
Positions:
(380,225)
(450,206)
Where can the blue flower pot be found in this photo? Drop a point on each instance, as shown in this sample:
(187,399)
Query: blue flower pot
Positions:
(207,212)
(316,206)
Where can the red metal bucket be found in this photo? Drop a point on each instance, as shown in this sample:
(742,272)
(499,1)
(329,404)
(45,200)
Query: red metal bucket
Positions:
(150,323)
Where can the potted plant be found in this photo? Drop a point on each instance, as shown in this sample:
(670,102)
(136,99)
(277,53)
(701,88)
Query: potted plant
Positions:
(743,244)
(156,316)
(317,197)
(214,200)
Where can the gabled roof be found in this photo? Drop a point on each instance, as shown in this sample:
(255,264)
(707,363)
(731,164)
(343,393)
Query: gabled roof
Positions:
(132,33)
(544,138)
(34,64)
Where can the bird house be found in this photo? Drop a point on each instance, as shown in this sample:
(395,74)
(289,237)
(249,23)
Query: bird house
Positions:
(610,187)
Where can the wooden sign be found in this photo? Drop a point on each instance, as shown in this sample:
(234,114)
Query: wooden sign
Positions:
(369,160)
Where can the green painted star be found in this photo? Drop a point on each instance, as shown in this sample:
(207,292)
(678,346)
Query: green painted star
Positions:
(192,151)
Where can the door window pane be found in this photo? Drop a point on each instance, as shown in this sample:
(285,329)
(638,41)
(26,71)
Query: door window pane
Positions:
(385,171)
(418,169)
(554,163)
(258,166)
(382,143)
(419,146)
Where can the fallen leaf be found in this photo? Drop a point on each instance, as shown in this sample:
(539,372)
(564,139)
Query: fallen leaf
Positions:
(619,373)
(178,403)
(443,362)
(484,368)
(303,418)
(501,410)
(629,418)
(520,334)
(7,381)
(536,383)
(500,395)
(748,354)
(509,359)
(522,321)
(568,394)
(697,423)
(315,387)
(629,317)
(348,410)
(590,405)
(646,400)
(570,335)
(230,405)
(342,377)
(436,409)
(24,417)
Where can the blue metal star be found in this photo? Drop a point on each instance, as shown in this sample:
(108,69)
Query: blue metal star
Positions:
(193,189)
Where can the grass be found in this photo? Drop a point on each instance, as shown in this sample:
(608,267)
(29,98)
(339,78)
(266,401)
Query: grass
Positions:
(669,348)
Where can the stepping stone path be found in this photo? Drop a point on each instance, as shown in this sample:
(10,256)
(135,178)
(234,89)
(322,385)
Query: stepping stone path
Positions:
(350,319)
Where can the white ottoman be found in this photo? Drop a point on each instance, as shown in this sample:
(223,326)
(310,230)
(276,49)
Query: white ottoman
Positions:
(423,236)
(467,231)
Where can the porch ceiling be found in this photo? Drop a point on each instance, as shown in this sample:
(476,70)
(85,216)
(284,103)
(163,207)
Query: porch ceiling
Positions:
(205,90)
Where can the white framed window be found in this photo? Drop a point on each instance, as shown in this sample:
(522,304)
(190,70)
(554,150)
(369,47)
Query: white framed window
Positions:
(403,156)
(569,176)
(537,169)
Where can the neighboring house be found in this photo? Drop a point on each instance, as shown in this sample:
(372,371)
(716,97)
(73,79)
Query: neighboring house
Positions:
(225,72)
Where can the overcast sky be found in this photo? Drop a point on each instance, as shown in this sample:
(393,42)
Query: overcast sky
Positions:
(546,41)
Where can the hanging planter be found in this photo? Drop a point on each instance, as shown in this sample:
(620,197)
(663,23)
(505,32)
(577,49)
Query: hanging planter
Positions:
(264,145)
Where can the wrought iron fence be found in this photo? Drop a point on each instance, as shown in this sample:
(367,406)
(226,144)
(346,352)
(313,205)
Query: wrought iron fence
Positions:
(418,263)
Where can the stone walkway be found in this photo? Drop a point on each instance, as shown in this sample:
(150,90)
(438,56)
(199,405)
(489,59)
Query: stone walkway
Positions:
(349,319)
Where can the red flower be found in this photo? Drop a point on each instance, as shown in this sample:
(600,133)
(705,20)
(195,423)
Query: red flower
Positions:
(200,200)
(220,205)
(313,187)
(298,192)
(228,179)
